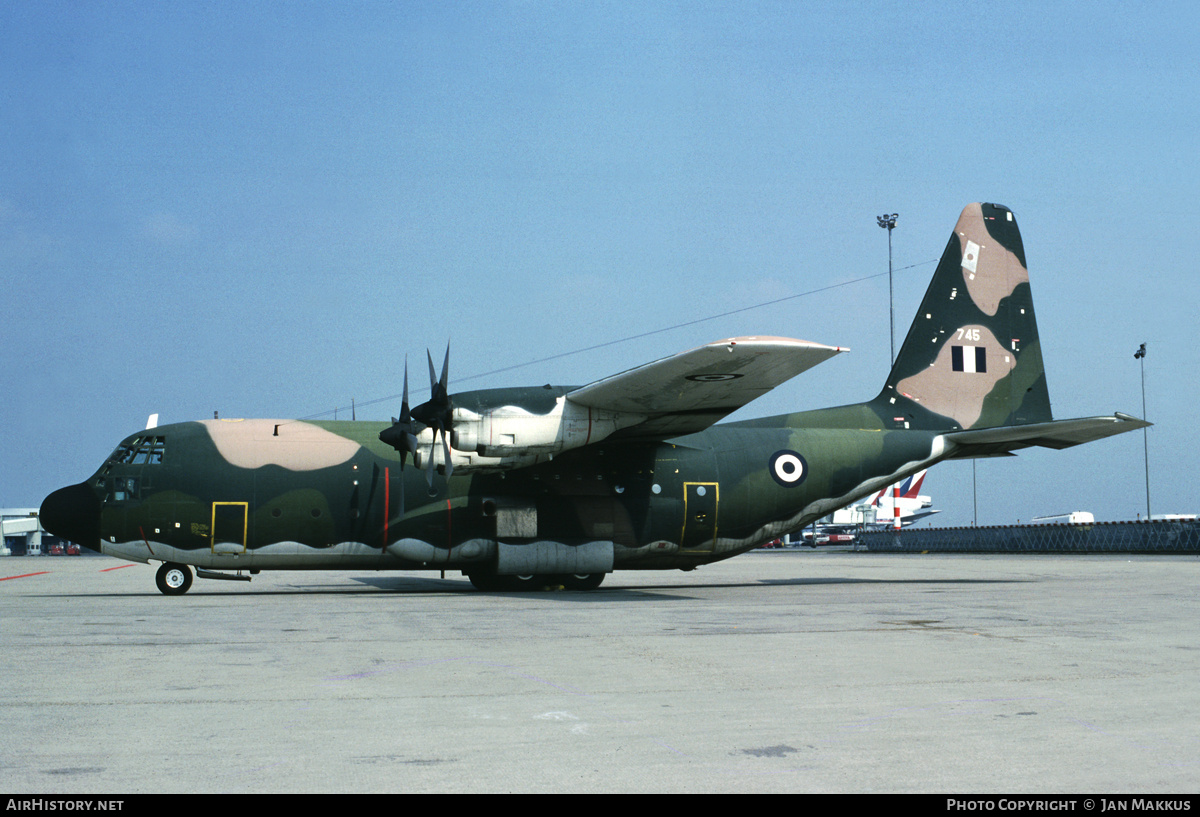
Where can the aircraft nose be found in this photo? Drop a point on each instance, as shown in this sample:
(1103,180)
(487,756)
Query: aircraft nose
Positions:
(73,513)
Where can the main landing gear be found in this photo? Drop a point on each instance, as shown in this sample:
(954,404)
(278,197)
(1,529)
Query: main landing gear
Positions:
(570,581)
(173,579)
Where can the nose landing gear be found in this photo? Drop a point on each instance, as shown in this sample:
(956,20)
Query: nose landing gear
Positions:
(173,579)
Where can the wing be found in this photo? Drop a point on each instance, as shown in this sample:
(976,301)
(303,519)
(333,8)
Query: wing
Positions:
(514,428)
(690,391)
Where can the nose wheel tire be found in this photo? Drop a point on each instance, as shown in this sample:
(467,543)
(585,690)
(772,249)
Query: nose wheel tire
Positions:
(173,579)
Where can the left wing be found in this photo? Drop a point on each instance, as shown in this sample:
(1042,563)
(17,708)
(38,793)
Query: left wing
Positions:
(692,390)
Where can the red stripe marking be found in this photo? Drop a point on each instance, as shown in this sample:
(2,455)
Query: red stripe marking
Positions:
(118,567)
(24,575)
(147,541)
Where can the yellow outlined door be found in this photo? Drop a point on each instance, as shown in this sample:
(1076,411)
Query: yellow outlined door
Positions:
(700,501)
(229,527)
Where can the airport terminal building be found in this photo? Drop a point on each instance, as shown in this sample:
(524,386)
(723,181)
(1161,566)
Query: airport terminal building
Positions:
(23,535)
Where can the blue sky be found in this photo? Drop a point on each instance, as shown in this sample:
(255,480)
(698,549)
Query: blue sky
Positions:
(261,208)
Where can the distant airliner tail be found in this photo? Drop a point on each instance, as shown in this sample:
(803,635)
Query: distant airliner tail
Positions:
(912,485)
(907,488)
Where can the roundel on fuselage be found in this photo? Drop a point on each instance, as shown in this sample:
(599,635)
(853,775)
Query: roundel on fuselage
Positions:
(788,468)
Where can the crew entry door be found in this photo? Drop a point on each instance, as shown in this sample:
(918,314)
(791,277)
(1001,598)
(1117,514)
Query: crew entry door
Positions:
(229,527)
(700,501)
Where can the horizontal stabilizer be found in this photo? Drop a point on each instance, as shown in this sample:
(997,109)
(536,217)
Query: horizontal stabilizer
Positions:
(990,442)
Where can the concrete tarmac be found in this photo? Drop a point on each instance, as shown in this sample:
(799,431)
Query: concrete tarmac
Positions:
(777,671)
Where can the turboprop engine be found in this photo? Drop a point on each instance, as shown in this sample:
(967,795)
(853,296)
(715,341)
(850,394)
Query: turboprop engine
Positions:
(508,436)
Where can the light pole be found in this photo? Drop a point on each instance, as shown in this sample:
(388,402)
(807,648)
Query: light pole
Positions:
(974,492)
(889,222)
(1140,356)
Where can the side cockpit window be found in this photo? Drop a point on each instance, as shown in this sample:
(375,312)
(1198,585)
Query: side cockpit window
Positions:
(121,489)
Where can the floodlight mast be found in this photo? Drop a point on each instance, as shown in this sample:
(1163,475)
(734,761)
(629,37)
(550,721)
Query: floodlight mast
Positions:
(1140,356)
(889,222)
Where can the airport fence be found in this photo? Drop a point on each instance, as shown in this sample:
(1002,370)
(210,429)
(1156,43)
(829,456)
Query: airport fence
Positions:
(1100,537)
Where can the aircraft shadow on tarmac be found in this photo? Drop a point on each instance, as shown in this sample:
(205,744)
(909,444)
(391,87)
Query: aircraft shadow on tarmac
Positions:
(395,584)
(416,585)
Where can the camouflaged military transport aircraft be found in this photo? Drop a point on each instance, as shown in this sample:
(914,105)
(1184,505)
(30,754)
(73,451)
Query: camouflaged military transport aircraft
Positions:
(526,486)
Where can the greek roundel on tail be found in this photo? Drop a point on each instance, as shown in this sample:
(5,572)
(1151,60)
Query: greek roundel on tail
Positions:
(563,484)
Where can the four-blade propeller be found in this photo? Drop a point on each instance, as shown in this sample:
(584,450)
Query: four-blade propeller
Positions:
(436,413)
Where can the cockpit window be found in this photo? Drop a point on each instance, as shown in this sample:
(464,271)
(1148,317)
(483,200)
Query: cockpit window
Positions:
(145,449)
(140,451)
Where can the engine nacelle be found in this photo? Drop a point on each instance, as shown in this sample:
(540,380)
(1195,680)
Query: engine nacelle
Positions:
(466,462)
(512,431)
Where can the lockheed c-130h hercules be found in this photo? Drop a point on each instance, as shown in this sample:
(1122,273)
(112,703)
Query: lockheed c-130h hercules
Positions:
(517,487)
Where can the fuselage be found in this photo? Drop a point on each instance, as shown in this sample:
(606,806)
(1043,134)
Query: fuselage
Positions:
(272,494)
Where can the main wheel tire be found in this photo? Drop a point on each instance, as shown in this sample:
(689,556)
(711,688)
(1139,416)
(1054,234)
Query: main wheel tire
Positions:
(526,582)
(583,581)
(173,579)
(488,582)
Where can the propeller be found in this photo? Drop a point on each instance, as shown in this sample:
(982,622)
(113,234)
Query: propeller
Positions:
(400,434)
(437,413)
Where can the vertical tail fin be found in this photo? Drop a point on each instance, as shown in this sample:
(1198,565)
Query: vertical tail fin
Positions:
(972,358)
(913,484)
